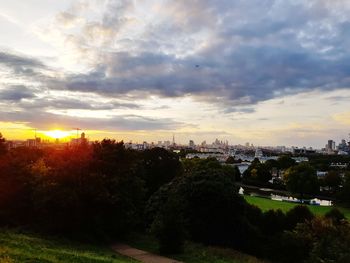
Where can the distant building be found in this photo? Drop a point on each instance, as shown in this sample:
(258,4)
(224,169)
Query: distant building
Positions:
(330,145)
(258,153)
(80,140)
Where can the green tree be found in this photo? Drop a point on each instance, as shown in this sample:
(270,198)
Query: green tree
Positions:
(285,162)
(169,226)
(257,172)
(333,180)
(302,180)
(230,160)
(329,242)
(213,211)
(298,214)
(160,167)
(344,194)
(270,164)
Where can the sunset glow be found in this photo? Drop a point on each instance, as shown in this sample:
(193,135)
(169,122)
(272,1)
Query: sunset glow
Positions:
(57,134)
(183,69)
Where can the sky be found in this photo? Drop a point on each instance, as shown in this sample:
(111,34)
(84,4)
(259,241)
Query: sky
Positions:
(268,72)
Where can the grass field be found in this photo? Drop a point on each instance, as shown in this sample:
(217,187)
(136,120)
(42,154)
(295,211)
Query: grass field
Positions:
(30,248)
(266,204)
(195,253)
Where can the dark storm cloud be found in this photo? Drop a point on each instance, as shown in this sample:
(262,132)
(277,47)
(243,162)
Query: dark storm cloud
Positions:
(13,60)
(15,93)
(21,65)
(244,76)
(70,103)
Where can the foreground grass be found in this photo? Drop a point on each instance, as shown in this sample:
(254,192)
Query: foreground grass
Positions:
(195,253)
(266,204)
(30,248)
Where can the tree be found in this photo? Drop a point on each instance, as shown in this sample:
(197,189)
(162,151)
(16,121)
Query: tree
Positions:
(335,215)
(302,180)
(285,162)
(274,221)
(270,164)
(213,211)
(3,147)
(230,160)
(160,167)
(298,214)
(344,194)
(257,172)
(329,242)
(169,227)
(332,180)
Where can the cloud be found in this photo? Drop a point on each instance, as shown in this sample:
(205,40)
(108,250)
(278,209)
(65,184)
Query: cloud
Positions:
(343,118)
(231,54)
(16,93)
(46,120)
(20,63)
(74,103)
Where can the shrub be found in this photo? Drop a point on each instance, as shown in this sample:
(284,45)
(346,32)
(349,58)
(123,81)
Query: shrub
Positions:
(298,214)
(169,227)
(335,215)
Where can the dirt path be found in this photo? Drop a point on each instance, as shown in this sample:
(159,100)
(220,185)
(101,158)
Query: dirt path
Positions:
(141,255)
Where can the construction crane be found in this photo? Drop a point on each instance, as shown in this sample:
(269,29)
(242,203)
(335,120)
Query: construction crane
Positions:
(77,129)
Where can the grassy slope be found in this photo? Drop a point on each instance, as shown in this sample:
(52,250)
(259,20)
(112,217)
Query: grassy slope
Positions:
(195,253)
(266,204)
(16,247)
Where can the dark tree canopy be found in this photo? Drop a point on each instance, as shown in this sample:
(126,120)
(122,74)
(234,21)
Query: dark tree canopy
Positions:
(160,167)
(302,180)
(257,172)
(344,194)
(333,179)
(285,162)
(3,147)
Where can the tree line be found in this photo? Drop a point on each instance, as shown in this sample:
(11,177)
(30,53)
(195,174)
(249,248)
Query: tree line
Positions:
(104,191)
(301,179)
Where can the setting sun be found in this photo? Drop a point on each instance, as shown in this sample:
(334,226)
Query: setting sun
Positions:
(57,134)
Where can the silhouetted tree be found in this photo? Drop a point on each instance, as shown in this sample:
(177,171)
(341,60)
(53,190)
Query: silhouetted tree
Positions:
(333,180)
(344,194)
(3,147)
(160,167)
(335,215)
(298,214)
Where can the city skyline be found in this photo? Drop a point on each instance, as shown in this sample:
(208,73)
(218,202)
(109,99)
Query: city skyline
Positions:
(271,73)
(42,138)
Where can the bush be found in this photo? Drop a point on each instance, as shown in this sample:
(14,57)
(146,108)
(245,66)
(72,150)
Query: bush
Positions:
(286,247)
(335,215)
(329,242)
(298,214)
(169,228)
(274,221)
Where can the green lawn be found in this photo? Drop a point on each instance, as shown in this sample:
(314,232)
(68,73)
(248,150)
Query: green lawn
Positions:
(266,204)
(195,253)
(30,248)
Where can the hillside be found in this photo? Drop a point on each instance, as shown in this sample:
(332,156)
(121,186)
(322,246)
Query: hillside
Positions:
(19,247)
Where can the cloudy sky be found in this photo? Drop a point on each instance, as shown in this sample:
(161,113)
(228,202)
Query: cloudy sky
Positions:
(268,72)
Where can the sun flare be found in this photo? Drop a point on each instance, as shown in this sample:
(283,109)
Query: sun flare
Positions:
(57,134)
